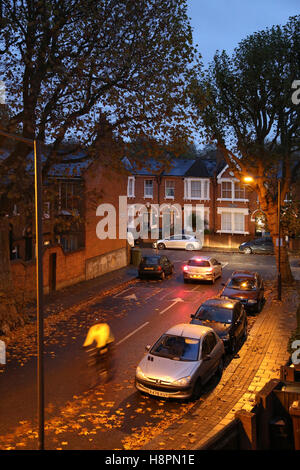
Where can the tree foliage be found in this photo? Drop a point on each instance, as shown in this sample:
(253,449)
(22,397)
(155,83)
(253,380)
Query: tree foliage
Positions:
(245,105)
(96,71)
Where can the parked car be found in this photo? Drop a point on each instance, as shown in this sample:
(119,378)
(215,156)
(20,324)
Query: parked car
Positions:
(258,245)
(180,362)
(187,242)
(226,317)
(204,268)
(155,266)
(248,288)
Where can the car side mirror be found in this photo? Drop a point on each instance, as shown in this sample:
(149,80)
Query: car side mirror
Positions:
(147,348)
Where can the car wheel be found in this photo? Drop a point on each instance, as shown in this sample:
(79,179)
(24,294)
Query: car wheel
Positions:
(248,250)
(161,246)
(186,280)
(189,247)
(197,389)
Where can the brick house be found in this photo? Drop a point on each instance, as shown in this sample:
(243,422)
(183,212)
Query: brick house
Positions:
(72,250)
(231,210)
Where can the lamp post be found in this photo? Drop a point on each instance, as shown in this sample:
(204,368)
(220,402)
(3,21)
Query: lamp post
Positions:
(250,179)
(39,279)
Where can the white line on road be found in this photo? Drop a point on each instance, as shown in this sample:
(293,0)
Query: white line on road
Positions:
(132,333)
(122,291)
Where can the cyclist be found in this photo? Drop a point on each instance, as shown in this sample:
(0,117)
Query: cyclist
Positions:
(99,348)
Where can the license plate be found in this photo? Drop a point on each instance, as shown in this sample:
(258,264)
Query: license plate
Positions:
(157,393)
(198,276)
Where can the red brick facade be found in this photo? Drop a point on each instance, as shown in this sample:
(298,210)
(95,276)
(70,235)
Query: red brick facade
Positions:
(229,207)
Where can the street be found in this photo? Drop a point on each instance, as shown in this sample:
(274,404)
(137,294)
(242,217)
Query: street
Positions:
(115,415)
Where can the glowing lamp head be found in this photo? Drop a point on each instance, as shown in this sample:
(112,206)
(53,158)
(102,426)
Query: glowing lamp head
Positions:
(185,268)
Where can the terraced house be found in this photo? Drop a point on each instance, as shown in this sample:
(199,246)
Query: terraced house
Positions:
(231,209)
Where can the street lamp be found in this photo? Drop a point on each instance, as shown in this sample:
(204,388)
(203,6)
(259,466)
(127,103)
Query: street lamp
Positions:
(250,179)
(39,278)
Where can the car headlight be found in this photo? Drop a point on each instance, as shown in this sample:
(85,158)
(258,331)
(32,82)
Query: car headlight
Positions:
(182,382)
(139,373)
(252,301)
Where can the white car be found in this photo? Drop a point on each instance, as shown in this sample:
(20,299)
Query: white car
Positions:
(202,268)
(188,242)
(180,362)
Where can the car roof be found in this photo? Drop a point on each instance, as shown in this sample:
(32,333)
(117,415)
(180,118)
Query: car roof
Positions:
(223,303)
(189,330)
(199,257)
(243,274)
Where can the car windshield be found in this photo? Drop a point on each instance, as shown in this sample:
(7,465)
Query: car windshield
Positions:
(214,313)
(242,283)
(150,260)
(177,348)
(200,262)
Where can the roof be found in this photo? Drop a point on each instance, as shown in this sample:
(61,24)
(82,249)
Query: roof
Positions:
(189,330)
(217,301)
(206,166)
(67,170)
(243,273)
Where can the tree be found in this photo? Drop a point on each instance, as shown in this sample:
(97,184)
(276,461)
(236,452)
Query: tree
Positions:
(245,105)
(97,71)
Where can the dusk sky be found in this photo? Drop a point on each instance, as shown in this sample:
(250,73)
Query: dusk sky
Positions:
(222,24)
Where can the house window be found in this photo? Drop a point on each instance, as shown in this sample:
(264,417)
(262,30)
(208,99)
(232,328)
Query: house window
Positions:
(148,188)
(226,222)
(130,186)
(170,189)
(239,191)
(196,188)
(226,190)
(233,191)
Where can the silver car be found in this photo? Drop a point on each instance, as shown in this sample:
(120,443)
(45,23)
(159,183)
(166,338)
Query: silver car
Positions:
(180,362)
(205,268)
(187,242)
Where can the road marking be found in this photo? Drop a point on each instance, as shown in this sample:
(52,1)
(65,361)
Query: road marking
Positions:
(132,333)
(131,297)
(175,301)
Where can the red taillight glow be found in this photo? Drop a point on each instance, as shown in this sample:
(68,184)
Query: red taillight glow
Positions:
(159,268)
(185,268)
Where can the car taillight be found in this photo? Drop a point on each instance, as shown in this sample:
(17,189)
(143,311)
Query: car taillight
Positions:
(159,268)
(209,269)
(185,268)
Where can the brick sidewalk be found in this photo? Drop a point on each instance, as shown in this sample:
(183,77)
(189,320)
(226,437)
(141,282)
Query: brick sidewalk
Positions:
(258,361)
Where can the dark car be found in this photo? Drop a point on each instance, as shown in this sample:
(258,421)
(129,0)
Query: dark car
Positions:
(226,317)
(155,266)
(258,245)
(248,288)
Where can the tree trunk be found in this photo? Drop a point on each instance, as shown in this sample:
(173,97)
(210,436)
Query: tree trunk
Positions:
(285,269)
(9,317)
